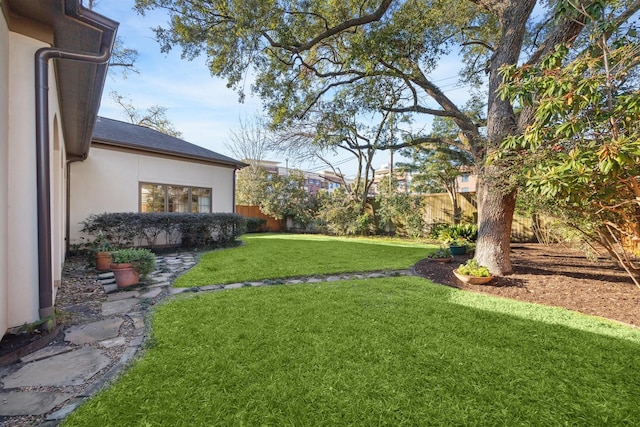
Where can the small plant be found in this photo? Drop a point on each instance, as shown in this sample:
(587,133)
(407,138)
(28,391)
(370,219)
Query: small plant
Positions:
(442,252)
(473,268)
(101,243)
(459,241)
(468,232)
(142,260)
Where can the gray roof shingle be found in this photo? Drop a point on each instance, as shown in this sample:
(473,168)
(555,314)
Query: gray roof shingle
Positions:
(115,132)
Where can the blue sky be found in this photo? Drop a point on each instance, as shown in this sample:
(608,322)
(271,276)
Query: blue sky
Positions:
(198,104)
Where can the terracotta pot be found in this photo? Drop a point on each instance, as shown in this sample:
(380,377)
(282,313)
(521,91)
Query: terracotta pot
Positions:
(125,275)
(472,280)
(441,260)
(103,261)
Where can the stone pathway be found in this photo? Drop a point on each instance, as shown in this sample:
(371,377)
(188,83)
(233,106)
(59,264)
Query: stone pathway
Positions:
(45,386)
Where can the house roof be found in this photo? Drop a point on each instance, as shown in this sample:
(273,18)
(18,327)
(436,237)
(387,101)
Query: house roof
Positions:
(127,135)
(68,26)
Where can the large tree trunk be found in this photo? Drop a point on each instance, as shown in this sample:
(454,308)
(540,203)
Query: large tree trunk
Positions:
(495,216)
(496,199)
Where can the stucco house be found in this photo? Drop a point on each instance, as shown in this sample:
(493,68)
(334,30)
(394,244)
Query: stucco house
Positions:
(59,162)
(53,62)
(134,168)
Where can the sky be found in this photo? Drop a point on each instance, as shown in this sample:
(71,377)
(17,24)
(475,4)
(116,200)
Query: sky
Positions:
(198,104)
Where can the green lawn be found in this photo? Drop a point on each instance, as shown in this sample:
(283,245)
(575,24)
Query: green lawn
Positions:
(273,256)
(382,352)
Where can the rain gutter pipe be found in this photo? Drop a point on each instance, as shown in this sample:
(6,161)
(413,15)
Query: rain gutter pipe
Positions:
(43,174)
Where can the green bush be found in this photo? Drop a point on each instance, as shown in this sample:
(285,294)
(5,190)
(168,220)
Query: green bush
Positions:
(255,225)
(114,227)
(468,232)
(142,260)
(339,215)
(199,230)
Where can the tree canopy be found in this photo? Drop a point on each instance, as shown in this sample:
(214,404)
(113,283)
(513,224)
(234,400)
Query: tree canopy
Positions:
(307,55)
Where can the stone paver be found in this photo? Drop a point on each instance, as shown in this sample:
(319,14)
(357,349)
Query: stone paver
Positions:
(45,352)
(123,295)
(92,332)
(113,342)
(110,288)
(152,293)
(110,308)
(68,369)
(138,321)
(15,403)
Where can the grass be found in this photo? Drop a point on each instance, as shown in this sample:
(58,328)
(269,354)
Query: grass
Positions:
(274,256)
(382,352)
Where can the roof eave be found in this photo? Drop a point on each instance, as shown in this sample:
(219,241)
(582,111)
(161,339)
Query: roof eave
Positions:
(79,30)
(119,144)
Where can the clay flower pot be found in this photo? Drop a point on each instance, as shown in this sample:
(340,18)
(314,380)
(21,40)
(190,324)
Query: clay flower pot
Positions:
(440,260)
(125,275)
(472,280)
(103,261)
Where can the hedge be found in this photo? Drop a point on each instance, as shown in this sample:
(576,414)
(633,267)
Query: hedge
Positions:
(187,230)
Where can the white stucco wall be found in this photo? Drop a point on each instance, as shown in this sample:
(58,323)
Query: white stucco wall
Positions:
(4,166)
(108,181)
(58,195)
(22,224)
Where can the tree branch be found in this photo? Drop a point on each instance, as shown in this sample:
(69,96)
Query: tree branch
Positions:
(355,22)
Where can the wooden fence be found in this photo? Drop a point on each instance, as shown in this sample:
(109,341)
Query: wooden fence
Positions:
(254,212)
(437,209)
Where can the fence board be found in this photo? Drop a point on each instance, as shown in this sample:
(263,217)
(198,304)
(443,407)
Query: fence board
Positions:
(438,209)
(254,212)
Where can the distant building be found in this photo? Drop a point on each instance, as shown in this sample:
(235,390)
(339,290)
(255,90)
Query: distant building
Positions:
(466,182)
(313,181)
(403,180)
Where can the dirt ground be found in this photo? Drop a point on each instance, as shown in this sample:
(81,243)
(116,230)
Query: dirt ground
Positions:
(554,275)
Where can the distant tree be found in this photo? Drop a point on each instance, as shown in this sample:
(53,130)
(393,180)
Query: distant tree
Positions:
(154,117)
(251,143)
(338,214)
(398,212)
(286,197)
(252,140)
(436,168)
(251,185)
(122,57)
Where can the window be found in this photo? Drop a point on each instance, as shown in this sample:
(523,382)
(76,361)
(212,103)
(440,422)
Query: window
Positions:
(464,178)
(174,198)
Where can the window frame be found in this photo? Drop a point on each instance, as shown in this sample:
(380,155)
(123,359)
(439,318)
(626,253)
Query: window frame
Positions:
(165,190)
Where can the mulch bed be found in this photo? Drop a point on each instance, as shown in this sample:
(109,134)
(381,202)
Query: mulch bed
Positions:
(554,275)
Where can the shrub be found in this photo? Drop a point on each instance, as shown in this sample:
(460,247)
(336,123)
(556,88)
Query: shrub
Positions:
(114,227)
(255,225)
(451,232)
(442,252)
(142,260)
(192,230)
(338,214)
